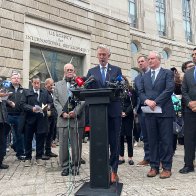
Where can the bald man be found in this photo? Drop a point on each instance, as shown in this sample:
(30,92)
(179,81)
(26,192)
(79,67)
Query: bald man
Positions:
(52,119)
(70,124)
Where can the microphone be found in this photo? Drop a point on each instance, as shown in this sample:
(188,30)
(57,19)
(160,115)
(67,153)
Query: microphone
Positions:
(119,78)
(79,81)
(117,82)
(89,81)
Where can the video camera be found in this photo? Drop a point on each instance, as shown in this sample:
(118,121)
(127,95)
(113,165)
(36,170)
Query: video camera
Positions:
(4,85)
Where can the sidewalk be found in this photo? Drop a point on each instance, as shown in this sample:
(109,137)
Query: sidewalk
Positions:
(47,181)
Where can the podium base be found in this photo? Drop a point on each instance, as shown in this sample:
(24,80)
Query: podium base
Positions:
(85,190)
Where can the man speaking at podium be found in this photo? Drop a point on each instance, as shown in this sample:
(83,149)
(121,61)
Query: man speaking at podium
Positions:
(102,73)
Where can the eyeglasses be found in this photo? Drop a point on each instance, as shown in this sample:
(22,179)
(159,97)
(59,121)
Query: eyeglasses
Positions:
(69,70)
(189,66)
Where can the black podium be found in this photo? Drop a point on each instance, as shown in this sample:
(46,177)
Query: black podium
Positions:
(99,184)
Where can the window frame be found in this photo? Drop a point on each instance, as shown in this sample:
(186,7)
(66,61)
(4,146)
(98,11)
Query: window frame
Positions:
(187,20)
(133,19)
(160,9)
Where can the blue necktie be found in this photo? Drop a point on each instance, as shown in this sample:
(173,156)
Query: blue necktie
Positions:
(153,76)
(103,74)
(195,74)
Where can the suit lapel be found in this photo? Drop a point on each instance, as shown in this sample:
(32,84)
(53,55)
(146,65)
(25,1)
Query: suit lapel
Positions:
(158,76)
(149,80)
(109,71)
(64,89)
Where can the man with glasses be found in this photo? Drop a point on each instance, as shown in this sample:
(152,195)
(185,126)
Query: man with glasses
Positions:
(15,115)
(187,65)
(70,124)
(189,96)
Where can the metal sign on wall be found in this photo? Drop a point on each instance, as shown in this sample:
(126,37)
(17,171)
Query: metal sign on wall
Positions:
(57,39)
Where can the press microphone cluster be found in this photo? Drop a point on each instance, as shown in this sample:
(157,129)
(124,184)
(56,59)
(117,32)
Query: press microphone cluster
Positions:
(82,82)
(117,82)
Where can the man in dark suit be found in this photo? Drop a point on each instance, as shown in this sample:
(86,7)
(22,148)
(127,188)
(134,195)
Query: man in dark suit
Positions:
(16,115)
(156,89)
(102,73)
(52,119)
(189,96)
(144,68)
(36,120)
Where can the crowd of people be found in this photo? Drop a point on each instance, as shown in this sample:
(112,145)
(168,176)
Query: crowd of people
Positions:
(43,112)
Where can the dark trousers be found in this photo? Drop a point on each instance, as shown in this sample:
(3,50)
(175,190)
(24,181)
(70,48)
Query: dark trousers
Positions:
(160,137)
(49,135)
(40,138)
(129,145)
(2,141)
(175,139)
(18,137)
(189,138)
(6,139)
(141,118)
(114,138)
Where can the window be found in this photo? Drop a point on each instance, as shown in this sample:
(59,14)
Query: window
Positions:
(160,17)
(165,54)
(134,48)
(187,19)
(50,63)
(132,13)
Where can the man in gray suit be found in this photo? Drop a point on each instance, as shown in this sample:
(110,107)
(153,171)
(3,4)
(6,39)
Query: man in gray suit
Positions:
(70,124)
(189,96)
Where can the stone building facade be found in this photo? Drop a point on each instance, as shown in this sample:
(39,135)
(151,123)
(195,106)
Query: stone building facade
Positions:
(40,36)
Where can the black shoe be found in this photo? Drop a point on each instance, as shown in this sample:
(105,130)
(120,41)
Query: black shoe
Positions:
(82,161)
(121,162)
(21,158)
(51,154)
(44,157)
(65,172)
(13,147)
(3,166)
(131,162)
(75,171)
(186,170)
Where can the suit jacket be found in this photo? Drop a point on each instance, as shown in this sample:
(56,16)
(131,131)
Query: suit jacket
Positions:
(160,91)
(114,108)
(137,83)
(28,101)
(189,88)
(60,99)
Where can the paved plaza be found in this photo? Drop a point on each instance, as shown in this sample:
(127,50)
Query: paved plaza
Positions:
(47,180)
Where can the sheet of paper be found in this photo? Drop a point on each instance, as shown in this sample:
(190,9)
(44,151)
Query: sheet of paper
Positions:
(146,109)
(38,109)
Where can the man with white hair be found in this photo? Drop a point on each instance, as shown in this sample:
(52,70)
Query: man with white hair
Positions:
(102,73)
(70,124)
(157,86)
